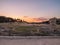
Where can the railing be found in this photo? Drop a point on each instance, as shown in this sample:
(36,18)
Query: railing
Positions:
(29,37)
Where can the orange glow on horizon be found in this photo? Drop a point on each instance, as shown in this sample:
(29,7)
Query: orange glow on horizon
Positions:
(29,19)
(25,18)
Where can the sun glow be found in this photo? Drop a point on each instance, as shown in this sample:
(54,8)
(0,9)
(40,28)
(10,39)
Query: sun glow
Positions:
(29,19)
(25,18)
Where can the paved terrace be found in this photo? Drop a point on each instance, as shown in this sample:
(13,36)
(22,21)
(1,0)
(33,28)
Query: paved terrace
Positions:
(29,40)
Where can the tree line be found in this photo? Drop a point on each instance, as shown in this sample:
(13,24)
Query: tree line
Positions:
(4,19)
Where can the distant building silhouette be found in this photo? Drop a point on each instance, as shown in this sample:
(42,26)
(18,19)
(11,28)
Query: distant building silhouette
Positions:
(53,24)
(52,21)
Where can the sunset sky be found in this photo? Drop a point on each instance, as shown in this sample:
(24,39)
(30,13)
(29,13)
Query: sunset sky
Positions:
(30,10)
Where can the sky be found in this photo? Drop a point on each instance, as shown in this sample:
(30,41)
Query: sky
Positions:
(30,10)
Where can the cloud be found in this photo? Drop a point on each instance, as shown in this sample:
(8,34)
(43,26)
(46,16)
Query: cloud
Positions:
(29,19)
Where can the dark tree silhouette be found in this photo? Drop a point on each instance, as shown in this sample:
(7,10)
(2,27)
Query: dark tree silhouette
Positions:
(4,19)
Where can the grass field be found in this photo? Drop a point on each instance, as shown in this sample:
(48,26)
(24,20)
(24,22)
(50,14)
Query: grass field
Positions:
(27,29)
